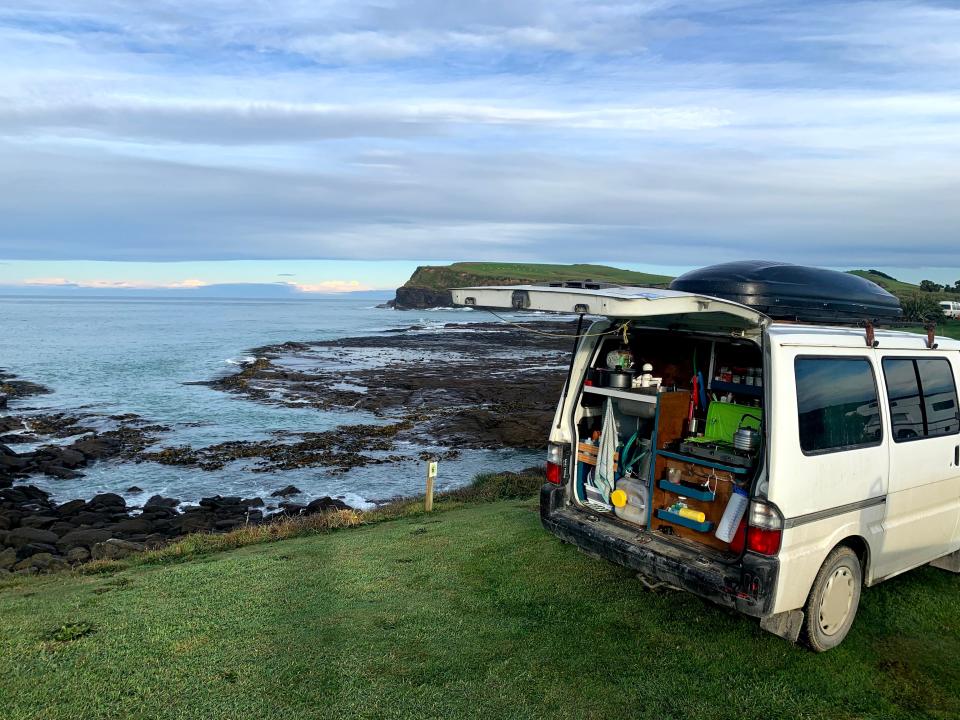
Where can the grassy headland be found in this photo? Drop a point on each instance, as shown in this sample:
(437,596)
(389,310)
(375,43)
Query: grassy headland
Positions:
(461,274)
(472,612)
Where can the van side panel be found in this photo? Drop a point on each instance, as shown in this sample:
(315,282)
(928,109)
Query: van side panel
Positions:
(824,497)
(923,503)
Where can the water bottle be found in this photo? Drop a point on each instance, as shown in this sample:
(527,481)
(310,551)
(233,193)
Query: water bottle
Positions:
(732,515)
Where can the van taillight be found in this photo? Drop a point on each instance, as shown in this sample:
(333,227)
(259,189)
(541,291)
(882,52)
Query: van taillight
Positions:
(555,463)
(764,529)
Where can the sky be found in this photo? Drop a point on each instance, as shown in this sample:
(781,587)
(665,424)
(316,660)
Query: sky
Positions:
(335,145)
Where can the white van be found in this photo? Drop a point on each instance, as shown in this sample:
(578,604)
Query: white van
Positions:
(951,308)
(772,466)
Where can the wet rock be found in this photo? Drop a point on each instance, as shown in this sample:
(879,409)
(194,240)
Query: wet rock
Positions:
(106,500)
(253,502)
(193,522)
(158,501)
(286,491)
(19,537)
(61,473)
(326,504)
(134,490)
(115,549)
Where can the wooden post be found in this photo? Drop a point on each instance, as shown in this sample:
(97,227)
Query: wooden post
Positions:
(431,474)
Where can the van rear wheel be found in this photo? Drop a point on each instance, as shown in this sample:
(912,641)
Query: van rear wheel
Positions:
(833,601)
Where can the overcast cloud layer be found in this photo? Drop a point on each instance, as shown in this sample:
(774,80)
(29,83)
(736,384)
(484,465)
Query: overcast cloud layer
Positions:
(654,131)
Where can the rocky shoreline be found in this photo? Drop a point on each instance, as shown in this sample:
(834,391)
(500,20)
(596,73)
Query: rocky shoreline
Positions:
(478,385)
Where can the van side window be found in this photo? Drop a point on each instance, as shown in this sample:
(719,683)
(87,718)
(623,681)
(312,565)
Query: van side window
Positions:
(837,404)
(922,396)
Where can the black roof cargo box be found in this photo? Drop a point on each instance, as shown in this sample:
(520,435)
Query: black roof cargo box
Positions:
(793,292)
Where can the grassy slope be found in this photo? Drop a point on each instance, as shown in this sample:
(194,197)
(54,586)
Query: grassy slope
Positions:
(475,612)
(477,273)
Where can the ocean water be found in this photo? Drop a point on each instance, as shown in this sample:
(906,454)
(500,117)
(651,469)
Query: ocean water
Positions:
(113,356)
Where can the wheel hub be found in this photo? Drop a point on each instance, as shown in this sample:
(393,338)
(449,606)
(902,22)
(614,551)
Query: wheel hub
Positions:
(836,600)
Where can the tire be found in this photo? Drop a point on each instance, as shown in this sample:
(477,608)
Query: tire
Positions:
(833,601)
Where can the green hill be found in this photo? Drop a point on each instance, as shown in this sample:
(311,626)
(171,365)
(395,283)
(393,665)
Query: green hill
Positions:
(892,285)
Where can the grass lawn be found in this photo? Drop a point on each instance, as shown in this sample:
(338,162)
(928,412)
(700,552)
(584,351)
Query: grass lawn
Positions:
(473,612)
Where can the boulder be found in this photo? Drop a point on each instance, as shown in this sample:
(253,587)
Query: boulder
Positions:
(38,521)
(23,535)
(70,508)
(115,549)
(84,538)
(41,561)
(78,555)
(88,517)
(7,558)
(58,471)
(193,522)
(326,504)
(25,551)
(95,448)
(158,501)
(286,492)
(69,458)
(253,502)
(107,500)
(131,526)
(134,490)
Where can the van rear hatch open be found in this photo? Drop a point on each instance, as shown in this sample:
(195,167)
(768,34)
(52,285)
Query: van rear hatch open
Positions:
(661,525)
(659,308)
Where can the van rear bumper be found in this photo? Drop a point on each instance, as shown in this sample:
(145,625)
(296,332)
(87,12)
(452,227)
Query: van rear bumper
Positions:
(747,587)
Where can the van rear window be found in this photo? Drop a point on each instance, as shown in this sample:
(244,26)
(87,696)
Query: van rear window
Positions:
(922,396)
(836,404)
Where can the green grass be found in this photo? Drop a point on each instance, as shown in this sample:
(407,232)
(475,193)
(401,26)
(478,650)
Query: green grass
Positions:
(897,287)
(479,273)
(473,612)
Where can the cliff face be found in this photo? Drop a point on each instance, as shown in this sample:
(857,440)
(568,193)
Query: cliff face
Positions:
(413,298)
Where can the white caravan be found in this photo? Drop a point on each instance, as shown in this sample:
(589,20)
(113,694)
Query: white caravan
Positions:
(774,467)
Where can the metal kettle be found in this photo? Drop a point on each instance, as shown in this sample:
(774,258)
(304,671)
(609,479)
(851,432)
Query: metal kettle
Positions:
(747,438)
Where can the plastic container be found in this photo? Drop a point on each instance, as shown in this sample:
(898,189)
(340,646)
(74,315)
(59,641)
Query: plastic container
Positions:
(630,500)
(732,514)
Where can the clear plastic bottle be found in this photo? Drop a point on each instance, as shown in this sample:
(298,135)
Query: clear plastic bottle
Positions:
(736,506)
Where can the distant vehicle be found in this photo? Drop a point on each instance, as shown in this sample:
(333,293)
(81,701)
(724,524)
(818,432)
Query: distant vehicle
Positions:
(749,450)
(951,308)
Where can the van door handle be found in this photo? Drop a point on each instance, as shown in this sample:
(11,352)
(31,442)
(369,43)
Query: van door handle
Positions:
(956,456)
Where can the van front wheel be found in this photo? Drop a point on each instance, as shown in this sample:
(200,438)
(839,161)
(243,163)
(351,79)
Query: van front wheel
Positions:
(833,601)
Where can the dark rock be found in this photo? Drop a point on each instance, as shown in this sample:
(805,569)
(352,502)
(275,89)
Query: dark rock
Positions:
(7,558)
(29,549)
(326,504)
(416,298)
(61,527)
(22,536)
(107,500)
(292,509)
(286,492)
(253,502)
(115,549)
(134,490)
(71,507)
(38,521)
(217,502)
(88,517)
(193,522)
(78,555)
(61,473)
(131,526)
(158,501)
(97,447)
(84,538)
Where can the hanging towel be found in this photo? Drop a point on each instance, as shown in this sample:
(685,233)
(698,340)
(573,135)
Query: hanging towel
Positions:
(604,480)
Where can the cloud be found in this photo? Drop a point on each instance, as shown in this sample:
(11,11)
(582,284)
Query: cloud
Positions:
(615,131)
(331,286)
(114,284)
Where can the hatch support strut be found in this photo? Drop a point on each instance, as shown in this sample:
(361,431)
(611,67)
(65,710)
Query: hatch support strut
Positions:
(573,358)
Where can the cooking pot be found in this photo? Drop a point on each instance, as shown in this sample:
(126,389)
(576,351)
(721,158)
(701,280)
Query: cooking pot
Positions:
(747,438)
(622,379)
